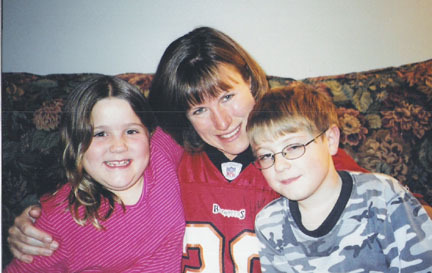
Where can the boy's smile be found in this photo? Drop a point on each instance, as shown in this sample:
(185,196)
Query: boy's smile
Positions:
(289,180)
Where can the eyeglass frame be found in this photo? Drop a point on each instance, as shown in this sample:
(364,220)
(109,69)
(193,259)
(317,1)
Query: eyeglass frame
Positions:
(273,156)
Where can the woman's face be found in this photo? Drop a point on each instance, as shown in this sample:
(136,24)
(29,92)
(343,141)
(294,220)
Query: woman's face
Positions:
(119,151)
(221,121)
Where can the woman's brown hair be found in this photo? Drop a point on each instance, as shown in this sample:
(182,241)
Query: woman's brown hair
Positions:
(188,73)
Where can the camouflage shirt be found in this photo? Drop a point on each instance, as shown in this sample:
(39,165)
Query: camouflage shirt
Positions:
(376,226)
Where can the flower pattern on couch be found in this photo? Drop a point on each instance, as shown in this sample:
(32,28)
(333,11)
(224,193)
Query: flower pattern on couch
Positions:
(385,120)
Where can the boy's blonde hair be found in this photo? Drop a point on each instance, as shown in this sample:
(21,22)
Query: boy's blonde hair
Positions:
(289,109)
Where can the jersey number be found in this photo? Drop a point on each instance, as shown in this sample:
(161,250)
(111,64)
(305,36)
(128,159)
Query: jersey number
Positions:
(206,243)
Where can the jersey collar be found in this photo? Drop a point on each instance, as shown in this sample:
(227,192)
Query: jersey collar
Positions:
(218,158)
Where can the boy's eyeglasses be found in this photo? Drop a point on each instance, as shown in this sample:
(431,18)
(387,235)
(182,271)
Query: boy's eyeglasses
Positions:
(292,151)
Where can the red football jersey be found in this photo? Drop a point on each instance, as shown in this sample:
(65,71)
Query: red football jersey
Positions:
(220,216)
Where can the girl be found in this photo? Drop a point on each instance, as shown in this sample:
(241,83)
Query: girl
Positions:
(120,210)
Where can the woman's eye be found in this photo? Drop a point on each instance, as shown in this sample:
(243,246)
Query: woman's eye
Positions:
(227,97)
(198,111)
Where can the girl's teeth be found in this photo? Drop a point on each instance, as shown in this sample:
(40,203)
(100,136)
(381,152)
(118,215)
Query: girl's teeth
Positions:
(117,163)
(231,134)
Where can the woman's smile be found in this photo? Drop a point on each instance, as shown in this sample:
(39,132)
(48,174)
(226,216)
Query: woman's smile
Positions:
(230,135)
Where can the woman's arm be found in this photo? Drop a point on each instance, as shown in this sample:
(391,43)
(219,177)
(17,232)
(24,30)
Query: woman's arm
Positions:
(25,240)
(54,263)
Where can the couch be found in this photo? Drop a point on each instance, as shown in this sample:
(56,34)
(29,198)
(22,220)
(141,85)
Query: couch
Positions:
(385,118)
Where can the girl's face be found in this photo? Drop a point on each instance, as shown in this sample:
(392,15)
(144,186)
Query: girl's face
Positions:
(119,151)
(221,121)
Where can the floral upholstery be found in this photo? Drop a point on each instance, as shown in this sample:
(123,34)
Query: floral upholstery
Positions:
(385,119)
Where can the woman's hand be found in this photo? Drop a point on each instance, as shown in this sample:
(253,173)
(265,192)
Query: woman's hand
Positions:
(25,240)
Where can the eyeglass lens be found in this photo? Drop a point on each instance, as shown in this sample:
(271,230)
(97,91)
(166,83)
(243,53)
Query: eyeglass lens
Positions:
(290,152)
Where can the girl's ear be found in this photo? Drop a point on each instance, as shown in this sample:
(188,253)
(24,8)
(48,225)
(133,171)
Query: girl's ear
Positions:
(333,135)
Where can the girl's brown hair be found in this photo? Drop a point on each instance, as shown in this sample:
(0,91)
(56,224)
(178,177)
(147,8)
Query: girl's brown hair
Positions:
(77,134)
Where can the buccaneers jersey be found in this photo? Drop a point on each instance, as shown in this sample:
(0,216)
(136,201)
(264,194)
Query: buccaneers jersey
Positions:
(220,216)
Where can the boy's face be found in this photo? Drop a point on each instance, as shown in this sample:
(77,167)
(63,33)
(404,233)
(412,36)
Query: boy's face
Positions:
(302,178)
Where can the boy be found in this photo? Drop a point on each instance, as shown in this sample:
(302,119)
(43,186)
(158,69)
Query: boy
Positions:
(325,220)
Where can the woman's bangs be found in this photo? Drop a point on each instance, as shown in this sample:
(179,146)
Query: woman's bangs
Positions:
(207,85)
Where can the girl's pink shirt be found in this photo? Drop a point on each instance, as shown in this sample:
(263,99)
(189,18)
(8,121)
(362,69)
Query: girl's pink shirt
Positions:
(146,238)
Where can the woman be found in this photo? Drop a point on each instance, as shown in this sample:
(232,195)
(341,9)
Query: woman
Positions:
(203,91)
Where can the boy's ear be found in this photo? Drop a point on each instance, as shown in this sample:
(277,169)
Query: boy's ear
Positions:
(333,135)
